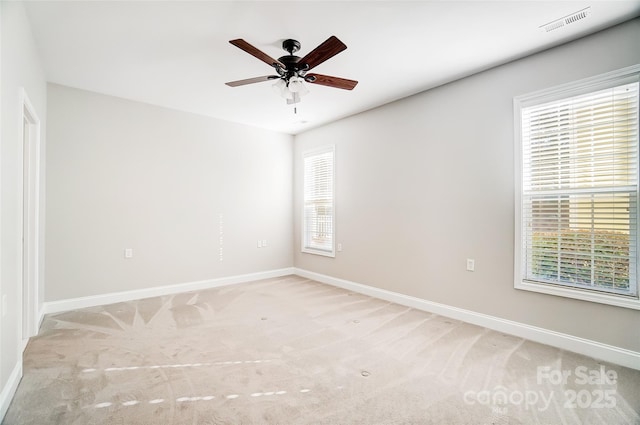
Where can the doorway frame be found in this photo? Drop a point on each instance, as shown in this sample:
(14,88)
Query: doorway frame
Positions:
(30,240)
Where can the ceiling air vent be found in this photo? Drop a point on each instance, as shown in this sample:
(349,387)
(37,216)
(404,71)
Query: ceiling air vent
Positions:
(567,20)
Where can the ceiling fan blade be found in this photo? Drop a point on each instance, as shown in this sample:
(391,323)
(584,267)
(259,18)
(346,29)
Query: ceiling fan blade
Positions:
(252,80)
(254,51)
(328,80)
(328,49)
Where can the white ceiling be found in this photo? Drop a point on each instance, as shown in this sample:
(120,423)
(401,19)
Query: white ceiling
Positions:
(176,53)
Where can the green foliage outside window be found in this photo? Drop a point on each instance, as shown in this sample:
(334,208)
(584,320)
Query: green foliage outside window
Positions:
(598,259)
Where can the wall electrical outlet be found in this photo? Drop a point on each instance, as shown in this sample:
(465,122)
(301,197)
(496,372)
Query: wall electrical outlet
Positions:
(339,247)
(471,264)
(259,243)
(128,253)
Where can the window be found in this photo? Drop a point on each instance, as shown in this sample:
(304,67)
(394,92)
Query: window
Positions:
(577,189)
(319,205)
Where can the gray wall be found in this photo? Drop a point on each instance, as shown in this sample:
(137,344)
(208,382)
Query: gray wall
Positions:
(123,174)
(427,182)
(20,69)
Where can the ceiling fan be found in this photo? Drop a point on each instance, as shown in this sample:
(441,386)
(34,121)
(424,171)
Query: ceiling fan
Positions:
(292,70)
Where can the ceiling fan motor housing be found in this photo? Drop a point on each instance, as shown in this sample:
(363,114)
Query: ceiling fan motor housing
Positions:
(291,61)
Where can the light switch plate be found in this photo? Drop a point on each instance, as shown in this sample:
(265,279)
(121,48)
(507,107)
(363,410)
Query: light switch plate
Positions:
(471,264)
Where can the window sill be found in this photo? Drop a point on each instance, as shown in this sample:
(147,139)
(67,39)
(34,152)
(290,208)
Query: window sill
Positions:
(596,297)
(331,254)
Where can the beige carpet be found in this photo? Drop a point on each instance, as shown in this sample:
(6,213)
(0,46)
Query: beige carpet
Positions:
(294,351)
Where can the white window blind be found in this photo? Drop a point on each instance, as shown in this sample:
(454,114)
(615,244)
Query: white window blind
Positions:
(319,204)
(579,200)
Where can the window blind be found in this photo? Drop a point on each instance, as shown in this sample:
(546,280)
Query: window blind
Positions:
(318,220)
(580,190)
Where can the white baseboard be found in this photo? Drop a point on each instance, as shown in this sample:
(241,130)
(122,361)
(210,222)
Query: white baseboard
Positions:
(115,297)
(10,388)
(567,342)
(40,315)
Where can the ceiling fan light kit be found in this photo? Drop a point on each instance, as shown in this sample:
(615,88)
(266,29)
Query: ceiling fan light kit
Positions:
(293,71)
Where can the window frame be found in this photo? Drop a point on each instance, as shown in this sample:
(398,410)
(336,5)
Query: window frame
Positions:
(557,93)
(307,249)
